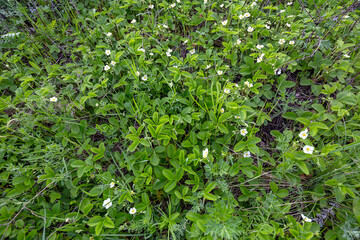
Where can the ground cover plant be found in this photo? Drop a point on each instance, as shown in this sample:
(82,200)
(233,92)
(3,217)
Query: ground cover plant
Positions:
(179,119)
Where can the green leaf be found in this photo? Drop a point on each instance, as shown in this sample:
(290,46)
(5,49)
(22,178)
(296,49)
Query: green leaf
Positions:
(303,167)
(274,187)
(282,193)
(108,223)
(210,187)
(210,196)
(94,221)
(239,146)
(170,186)
(168,174)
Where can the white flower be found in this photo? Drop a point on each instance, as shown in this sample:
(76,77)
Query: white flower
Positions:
(346,16)
(346,56)
(227,91)
(281,11)
(290,16)
(259,59)
(178,1)
(208,66)
(168,53)
(289,3)
(137,73)
(151,6)
(144,77)
(224,22)
(165,26)
(107,203)
(268,22)
(288,24)
(170,84)
(112,184)
(247,14)
(222,5)
(247,154)
(113,63)
(267,26)
(106,67)
(133,21)
(53,99)
(107,52)
(303,134)
(243,132)
(248,84)
(308,149)
(205,1)
(219,72)
(151,54)
(96,104)
(236,85)
(222,110)
(192,51)
(176,66)
(142,50)
(109,34)
(132,210)
(250,29)
(205,153)
(241,16)
(237,117)
(277,71)
(253,4)
(186,41)
(238,42)
(281,41)
(259,46)
(292,42)
(67,220)
(306,219)
(172,5)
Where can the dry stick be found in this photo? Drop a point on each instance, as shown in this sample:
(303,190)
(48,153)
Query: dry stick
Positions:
(8,224)
(307,12)
(351,28)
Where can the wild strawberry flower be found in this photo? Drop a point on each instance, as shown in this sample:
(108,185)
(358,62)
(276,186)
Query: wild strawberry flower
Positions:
(109,34)
(219,72)
(151,6)
(185,41)
(107,203)
(205,153)
(137,73)
(205,1)
(53,99)
(247,15)
(281,11)
(303,134)
(151,54)
(222,110)
(224,22)
(308,149)
(241,16)
(133,21)
(277,71)
(106,67)
(107,52)
(237,117)
(178,1)
(346,56)
(112,184)
(292,42)
(248,84)
(142,50)
(132,192)
(250,29)
(289,3)
(168,52)
(238,42)
(113,63)
(247,154)
(306,219)
(227,91)
(172,5)
(288,25)
(165,26)
(267,26)
(144,78)
(192,51)
(170,84)
(253,4)
(208,66)
(259,46)
(281,41)
(243,132)
(222,5)
(132,211)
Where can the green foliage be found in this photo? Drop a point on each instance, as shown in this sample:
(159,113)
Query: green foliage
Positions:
(179,120)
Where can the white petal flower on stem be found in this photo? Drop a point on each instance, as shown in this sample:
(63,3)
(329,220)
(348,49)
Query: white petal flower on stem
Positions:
(170,84)
(205,1)
(208,66)
(267,26)
(250,29)
(132,211)
(346,56)
(205,153)
(259,46)
(237,117)
(288,24)
(289,3)
(113,63)
(277,71)
(112,184)
(53,99)
(133,21)
(292,42)
(222,5)
(346,16)
(241,16)
(247,15)
(137,73)
(109,34)
(106,67)
(142,50)
(151,54)
(243,132)
(107,203)
(219,72)
(281,11)
(222,110)
(178,1)
(144,78)
(238,42)
(107,52)
(259,59)
(247,154)
(185,41)
(303,134)
(151,6)
(253,4)
(308,149)
(165,26)
(168,54)
(224,22)
(192,51)
(227,91)
(305,218)
(281,41)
